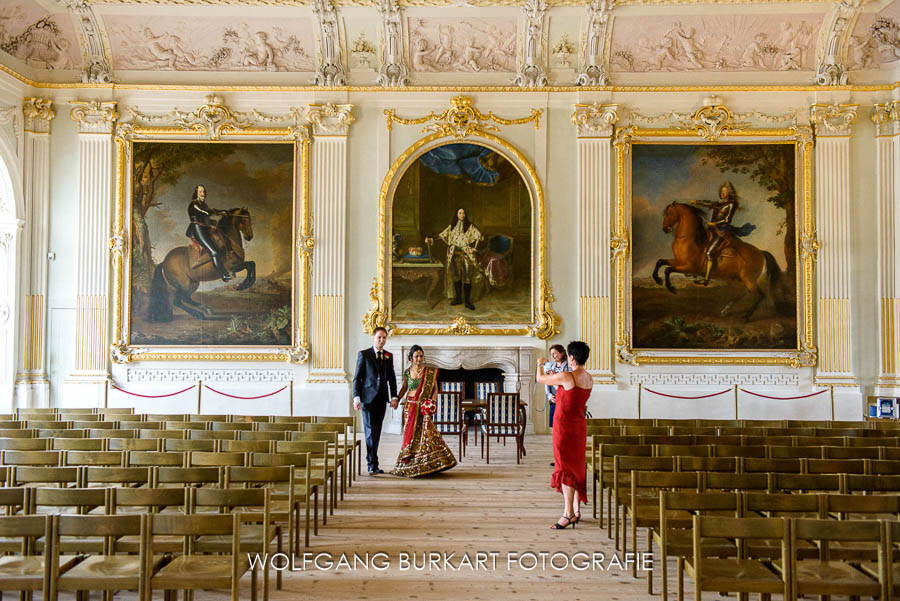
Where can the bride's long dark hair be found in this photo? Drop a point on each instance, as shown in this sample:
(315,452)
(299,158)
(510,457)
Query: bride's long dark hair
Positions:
(466,223)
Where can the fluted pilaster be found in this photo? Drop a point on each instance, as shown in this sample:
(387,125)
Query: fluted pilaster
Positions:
(832,124)
(96,121)
(330,125)
(887,157)
(32,384)
(595,125)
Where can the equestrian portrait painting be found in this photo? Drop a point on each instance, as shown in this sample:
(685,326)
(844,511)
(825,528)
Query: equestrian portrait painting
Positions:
(714,246)
(212,243)
(461,233)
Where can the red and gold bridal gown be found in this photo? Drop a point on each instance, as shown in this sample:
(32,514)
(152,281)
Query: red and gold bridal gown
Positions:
(423,450)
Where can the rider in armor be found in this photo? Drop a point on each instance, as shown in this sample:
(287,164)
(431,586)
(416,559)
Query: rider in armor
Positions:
(719,224)
(200,230)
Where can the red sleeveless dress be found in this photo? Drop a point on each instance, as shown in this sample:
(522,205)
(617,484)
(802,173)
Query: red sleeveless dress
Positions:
(569,439)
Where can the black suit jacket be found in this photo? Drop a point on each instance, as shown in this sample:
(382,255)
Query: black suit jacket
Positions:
(368,376)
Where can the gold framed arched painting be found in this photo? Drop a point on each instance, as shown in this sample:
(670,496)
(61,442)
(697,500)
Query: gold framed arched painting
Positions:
(462,241)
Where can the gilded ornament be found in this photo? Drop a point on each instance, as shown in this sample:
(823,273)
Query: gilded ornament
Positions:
(833,119)
(595,119)
(38,113)
(462,120)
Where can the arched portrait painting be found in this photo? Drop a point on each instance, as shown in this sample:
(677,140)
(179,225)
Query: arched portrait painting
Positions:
(461,239)
(211,244)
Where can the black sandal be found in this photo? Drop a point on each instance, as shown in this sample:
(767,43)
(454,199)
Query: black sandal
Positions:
(558,526)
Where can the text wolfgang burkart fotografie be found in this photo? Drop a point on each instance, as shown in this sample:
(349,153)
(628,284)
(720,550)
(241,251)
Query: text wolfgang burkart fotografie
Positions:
(446,561)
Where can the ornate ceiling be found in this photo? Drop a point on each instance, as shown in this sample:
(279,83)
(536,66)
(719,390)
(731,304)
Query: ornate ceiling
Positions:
(528,43)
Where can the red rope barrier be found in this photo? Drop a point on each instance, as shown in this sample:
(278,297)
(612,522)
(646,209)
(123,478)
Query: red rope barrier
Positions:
(784,398)
(245,398)
(152,396)
(672,396)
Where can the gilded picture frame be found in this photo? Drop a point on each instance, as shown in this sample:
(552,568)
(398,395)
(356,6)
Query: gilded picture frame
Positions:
(212,123)
(711,126)
(463,123)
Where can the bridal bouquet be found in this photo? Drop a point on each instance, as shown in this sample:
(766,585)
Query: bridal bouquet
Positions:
(428,407)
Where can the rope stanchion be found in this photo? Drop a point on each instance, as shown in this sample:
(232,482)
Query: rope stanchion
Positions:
(640,387)
(832,402)
(292,397)
(106,394)
(245,398)
(735,401)
(152,396)
(199,395)
(785,398)
(702,396)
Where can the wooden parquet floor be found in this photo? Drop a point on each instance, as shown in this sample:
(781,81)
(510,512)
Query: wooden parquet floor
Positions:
(501,508)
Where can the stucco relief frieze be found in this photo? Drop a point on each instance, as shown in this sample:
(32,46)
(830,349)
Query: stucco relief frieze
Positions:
(759,42)
(447,45)
(260,44)
(875,41)
(38,38)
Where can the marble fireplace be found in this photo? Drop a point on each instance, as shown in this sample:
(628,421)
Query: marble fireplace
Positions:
(518,364)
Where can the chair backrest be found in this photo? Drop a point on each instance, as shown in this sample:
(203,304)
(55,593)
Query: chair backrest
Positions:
(151,500)
(155,458)
(111,458)
(131,444)
(181,476)
(191,526)
(79,444)
(33,475)
(503,415)
(15,500)
(119,476)
(453,387)
(111,527)
(24,444)
(483,389)
(181,445)
(58,500)
(27,527)
(448,416)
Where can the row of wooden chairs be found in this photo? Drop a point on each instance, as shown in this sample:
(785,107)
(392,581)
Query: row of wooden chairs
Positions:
(136,552)
(743,423)
(670,524)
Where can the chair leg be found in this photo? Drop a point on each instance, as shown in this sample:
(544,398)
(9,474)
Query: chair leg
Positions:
(316,512)
(680,564)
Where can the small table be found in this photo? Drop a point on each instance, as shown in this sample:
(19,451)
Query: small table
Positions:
(430,271)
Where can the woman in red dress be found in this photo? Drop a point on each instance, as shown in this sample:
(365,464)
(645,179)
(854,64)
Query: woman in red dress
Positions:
(570,431)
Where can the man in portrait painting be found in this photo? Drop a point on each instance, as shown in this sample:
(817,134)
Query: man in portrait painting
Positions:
(462,268)
(719,225)
(201,230)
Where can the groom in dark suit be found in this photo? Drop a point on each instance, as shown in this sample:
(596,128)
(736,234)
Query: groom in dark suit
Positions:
(374,386)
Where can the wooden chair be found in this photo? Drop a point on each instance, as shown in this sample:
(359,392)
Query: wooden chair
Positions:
(301,490)
(27,570)
(858,507)
(282,510)
(266,435)
(247,446)
(343,450)
(773,505)
(32,458)
(215,459)
(741,574)
(133,444)
(728,465)
(209,417)
(642,506)
(257,529)
(350,423)
(321,461)
(619,493)
(826,575)
(191,571)
(107,458)
(502,420)
(293,419)
(674,537)
(449,418)
(604,455)
(72,501)
(140,501)
(106,570)
(166,417)
(26,475)
(14,501)
(164,434)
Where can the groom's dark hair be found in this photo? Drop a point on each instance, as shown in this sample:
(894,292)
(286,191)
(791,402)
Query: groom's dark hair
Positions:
(381,328)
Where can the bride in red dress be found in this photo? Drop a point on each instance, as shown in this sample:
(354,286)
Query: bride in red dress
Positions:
(570,431)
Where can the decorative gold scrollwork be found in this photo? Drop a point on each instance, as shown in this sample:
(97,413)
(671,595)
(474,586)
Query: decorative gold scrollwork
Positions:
(462,119)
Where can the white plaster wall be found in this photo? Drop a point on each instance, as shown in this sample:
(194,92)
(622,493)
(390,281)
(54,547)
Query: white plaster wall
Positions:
(368,160)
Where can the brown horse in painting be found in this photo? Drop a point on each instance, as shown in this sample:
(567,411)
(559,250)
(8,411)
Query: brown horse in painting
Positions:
(739,263)
(185,267)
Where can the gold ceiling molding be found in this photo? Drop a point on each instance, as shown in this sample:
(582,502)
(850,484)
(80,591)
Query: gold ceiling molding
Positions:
(437,3)
(462,119)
